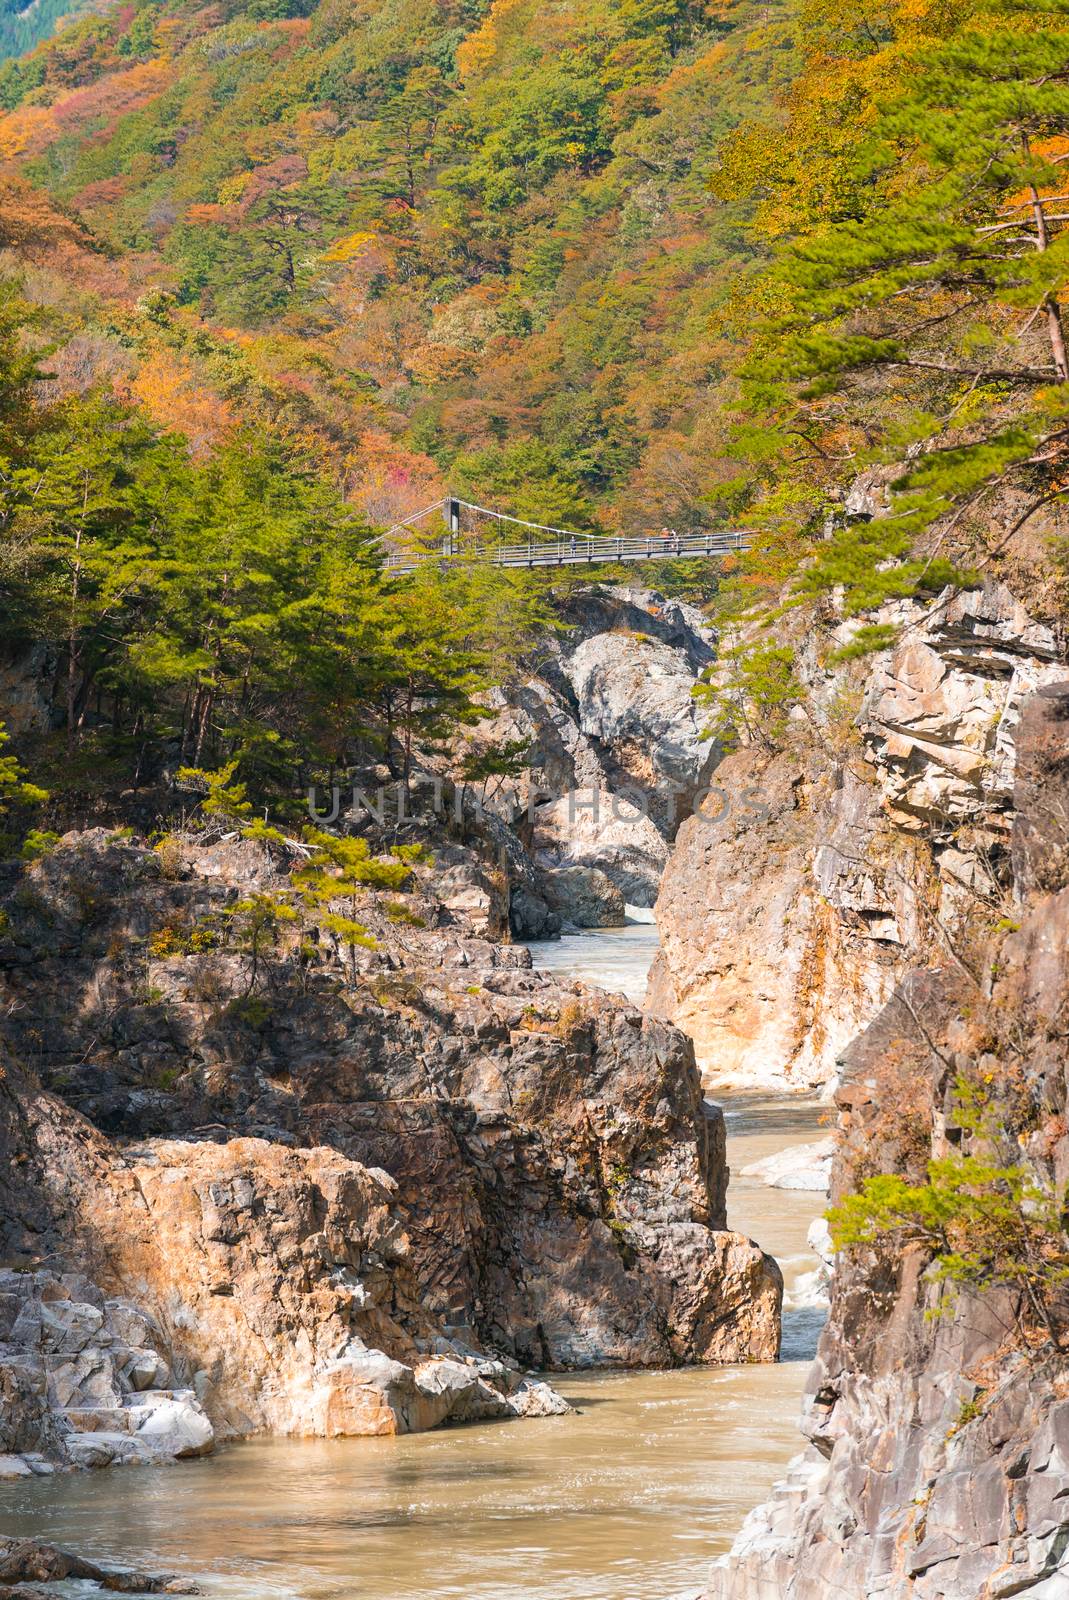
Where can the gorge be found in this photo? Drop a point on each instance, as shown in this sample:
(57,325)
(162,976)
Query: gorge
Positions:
(520,1079)
(551,1127)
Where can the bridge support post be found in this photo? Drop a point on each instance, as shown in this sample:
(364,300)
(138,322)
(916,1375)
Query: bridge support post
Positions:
(450,544)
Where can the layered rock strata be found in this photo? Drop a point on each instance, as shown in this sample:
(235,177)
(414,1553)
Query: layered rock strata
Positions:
(817,875)
(326,1204)
(937,1416)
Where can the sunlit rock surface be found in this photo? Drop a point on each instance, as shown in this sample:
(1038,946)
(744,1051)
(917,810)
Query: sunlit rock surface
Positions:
(937,1466)
(331,1208)
(818,875)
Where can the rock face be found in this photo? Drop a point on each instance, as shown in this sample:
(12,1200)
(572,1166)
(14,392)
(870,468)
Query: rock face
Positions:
(593,830)
(938,1424)
(26,1561)
(1040,846)
(817,876)
(940,716)
(774,944)
(330,1205)
(266,1286)
(83,1378)
(635,699)
(607,712)
(584,897)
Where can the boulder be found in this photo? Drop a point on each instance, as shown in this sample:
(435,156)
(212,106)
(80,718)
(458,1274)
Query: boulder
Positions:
(799,1166)
(24,1561)
(177,1427)
(74,1384)
(584,897)
(368,1393)
(470,890)
(593,829)
(533,1398)
(144,1369)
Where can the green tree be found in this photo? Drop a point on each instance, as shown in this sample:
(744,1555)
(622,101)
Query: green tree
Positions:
(341,868)
(83,502)
(937,275)
(256,923)
(987,1220)
(15,788)
(449,635)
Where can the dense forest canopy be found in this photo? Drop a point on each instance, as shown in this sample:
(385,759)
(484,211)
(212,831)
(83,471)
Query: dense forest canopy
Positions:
(436,245)
(23,23)
(280,274)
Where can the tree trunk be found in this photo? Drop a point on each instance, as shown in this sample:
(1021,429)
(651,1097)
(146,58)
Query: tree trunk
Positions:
(409,703)
(1051,307)
(206,708)
(1056,334)
(72,643)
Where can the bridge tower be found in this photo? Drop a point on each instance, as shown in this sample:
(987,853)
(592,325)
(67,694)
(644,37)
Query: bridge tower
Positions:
(451,510)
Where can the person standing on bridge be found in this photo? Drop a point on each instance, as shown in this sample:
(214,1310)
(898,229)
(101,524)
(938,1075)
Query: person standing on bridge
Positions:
(573,545)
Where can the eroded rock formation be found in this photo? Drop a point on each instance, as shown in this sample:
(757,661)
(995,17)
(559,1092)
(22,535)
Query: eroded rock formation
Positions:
(331,1206)
(938,1424)
(616,748)
(820,873)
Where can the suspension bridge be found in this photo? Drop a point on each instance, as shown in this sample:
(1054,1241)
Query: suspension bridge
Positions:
(515,542)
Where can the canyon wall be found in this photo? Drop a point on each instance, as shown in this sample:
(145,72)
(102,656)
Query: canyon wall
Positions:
(936,1414)
(820,872)
(318,1204)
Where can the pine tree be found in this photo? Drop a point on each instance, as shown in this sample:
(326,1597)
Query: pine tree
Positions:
(926,311)
(15,788)
(76,503)
(341,868)
(448,635)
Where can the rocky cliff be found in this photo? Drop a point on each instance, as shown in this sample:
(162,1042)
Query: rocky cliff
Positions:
(820,872)
(264,1192)
(937,1466)
(616,751)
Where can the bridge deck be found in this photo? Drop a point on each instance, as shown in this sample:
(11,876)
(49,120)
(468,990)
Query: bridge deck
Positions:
(575,551)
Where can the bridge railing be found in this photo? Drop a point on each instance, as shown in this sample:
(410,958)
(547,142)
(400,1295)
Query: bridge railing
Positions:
(574,549)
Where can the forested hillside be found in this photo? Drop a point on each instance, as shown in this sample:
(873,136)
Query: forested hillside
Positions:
(616,265)
(429,243)
(24,22)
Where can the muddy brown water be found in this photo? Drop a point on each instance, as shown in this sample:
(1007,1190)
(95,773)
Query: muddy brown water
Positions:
(628,1498)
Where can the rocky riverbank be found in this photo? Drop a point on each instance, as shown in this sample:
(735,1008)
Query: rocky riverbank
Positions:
(823,871)
(288,1200)
(594,1518)
(27,1563)
(936,1413)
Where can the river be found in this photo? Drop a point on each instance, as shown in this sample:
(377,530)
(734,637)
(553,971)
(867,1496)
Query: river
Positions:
(628,1498)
